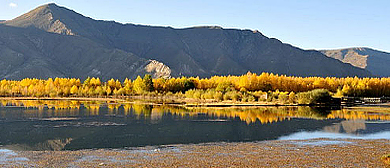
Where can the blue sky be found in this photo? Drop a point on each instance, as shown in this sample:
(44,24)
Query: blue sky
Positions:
(308,24)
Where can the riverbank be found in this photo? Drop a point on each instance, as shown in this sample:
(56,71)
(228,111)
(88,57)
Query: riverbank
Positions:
(163,100)
(278,153)
(64,98)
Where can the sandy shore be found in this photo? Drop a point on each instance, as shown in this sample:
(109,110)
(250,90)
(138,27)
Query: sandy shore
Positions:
(286,153)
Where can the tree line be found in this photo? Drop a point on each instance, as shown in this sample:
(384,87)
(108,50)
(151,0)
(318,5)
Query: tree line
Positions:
(216,87)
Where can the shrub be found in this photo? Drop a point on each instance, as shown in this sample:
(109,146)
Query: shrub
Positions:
(303,98)
(226,97)
(190,93)
(218,96)
(283,97)
(197,94)
(209,94)
(244,99)
(251,98)
(233,95)
(320,96)
(292,97)
(314,97)
(261,99)
(272,96)
(179,95)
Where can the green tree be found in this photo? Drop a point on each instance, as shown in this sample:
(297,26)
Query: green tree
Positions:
(148,82)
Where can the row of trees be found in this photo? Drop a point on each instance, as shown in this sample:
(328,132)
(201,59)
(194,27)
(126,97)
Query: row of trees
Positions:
(250,82)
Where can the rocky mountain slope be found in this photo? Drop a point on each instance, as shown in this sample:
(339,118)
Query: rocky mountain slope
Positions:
(110,49)
(377,62)
(29,52)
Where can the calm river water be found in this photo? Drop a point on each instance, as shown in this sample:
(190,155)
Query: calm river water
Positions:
(73,125)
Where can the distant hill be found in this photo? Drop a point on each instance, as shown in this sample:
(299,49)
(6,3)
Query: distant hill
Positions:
(377,62)
(110,49)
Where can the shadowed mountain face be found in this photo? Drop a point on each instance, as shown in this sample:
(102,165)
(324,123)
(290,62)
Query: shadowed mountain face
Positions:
(377,62)
(112,49)
(29,52)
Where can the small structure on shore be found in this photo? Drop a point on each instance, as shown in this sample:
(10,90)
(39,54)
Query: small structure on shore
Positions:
(352,101)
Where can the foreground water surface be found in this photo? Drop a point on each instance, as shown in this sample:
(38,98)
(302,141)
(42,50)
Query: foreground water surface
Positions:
(73,125)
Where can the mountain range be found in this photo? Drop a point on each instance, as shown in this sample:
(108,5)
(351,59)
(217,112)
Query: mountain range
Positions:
(53,41)
(377,62)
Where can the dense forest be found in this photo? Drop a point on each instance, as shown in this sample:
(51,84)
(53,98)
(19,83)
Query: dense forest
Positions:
(248,87)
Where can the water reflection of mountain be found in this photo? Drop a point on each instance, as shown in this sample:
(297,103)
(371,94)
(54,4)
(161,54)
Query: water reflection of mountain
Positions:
(39,125)
(53,144)
(348,126)
(358,127)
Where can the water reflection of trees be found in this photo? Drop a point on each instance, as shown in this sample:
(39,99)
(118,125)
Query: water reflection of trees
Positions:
(359,115)
(61,108)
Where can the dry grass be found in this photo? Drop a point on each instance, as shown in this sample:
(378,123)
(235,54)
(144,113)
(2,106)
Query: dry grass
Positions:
(301,153)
